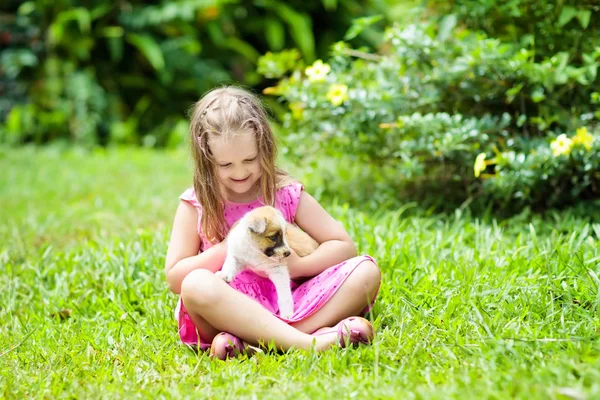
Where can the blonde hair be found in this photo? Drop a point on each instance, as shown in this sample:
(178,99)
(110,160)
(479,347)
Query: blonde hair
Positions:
(224,112)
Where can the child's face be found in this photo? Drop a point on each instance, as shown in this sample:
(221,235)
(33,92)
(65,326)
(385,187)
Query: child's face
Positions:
(238,166)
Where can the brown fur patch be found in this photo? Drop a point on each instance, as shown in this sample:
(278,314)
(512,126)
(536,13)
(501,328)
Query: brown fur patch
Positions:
(273,226)
(300,241)
(297,239)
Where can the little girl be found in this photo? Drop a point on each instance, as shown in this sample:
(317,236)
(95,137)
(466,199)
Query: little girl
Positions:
(233,150)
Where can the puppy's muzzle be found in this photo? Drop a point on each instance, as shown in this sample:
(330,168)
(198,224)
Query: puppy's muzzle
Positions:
(278,253)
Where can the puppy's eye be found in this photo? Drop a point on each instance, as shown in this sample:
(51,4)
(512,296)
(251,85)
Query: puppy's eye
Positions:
(274,237)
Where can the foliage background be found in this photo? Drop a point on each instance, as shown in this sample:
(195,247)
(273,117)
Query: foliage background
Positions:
(126,72)
(428,86)
(454,101)
(513,83)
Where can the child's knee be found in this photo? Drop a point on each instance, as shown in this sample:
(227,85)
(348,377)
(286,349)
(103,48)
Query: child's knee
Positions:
(368,276)
(200,289)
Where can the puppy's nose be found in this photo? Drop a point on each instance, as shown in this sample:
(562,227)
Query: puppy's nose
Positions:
(287,253)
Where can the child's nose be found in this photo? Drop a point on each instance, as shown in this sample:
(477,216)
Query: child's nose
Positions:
(240,172)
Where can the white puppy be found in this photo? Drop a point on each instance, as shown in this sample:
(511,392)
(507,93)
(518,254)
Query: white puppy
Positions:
(261,241)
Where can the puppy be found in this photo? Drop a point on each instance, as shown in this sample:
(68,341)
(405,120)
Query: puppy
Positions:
(261,240)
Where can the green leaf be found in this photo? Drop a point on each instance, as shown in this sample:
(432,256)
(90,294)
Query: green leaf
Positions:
(215,33)
(360,24)
(244,48)
(112,31)
(275,34)
(300,26)
(149,48)
(115,47)
(13,120)
(330,5)
(14,60)
(513,92)
(83,18)
(584,18)
(447,25)
(566,15)
(100,11)
(57,28)
(26,8)
(538,95)
(275,65)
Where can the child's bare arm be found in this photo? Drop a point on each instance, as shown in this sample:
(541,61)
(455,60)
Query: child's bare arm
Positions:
(335,246)
(182,255)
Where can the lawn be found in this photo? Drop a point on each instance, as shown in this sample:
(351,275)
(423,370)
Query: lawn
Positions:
(469,308)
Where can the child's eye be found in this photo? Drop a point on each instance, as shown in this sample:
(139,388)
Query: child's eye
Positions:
(250,159)
(225,165)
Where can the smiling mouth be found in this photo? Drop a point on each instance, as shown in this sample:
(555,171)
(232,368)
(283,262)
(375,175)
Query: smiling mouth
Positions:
(240,180)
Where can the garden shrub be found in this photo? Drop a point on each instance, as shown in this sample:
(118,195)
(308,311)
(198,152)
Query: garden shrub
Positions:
(441,105)
(127,72)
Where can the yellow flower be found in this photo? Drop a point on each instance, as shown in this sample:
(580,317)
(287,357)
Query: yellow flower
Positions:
(337,94)
(584,138)
(480,165)
(561,145)
(271,90)
(297,110)
(317,71)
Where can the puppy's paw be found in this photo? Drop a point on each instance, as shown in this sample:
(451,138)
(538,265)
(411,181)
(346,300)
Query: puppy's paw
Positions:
(286,314)
(225,276)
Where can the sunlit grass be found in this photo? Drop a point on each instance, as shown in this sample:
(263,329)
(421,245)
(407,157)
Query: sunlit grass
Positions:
(468,308)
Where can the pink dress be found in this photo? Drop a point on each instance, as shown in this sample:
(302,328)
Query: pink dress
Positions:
(309,295)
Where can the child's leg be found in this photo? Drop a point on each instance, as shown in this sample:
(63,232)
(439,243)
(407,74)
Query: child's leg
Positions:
(215,306)
(351,298)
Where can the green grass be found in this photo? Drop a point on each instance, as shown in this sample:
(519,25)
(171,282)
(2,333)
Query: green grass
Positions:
(468,308)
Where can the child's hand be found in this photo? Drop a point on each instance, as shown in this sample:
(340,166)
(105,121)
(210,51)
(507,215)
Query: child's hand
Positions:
(295,265)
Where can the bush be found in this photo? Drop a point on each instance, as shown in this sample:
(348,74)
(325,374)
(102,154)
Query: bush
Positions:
(127,72)
(545,26)
(435,98)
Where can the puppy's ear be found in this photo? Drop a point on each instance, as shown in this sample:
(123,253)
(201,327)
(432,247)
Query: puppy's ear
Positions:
(258,226)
